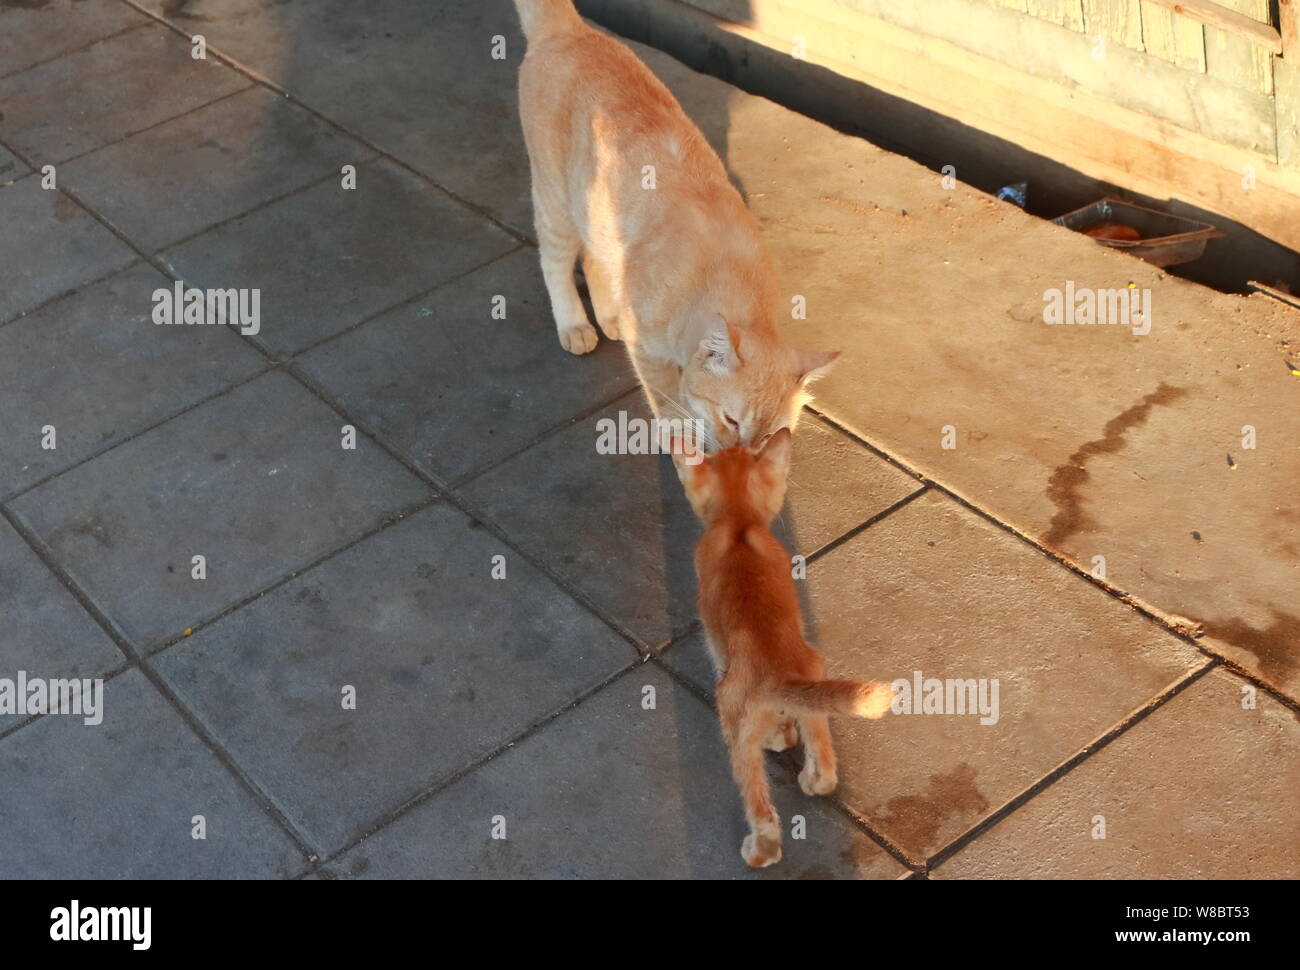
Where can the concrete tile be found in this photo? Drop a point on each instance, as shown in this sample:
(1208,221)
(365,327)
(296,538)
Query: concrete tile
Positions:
(54,246)
(11,169)
(45,631)
(619,528)
(174,180)
(123,84)
(455,390)
(447,663)
(326,258)
(834,485)
(935,588)
(1201,789)
(32,31)
(372,68)
(117,800)
(256,481)
(96,367)
(607,791)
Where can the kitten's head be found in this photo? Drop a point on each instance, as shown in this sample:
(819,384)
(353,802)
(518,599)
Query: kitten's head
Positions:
(742,393)
(736,479)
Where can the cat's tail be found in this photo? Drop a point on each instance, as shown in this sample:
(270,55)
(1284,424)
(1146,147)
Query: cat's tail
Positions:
(540,18)
(833,697)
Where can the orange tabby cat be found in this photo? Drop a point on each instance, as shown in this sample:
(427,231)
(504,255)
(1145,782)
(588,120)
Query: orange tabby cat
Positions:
(673,259)
(770,679)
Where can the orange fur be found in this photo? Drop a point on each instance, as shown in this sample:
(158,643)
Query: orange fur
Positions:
(674,261)
(770,679)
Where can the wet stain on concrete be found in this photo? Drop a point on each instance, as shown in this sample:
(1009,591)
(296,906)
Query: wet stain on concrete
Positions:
(403,676)
(65,208)
(915,820)
(1066,482)
(1276,647)
(93,528)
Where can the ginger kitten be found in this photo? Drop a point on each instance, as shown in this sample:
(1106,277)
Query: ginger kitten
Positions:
(674,261)
(770,679)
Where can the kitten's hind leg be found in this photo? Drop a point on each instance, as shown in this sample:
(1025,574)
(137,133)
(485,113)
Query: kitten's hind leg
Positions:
(819,776)
(744,734)
(558,244)
(784,735)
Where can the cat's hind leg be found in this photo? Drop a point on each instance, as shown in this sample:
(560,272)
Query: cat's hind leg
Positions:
(744,732)
(604,295)
(558,245)
(819,775)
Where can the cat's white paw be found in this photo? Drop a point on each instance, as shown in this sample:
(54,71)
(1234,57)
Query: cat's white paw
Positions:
(578,339)
(814,782)
(784,735)
(760,851)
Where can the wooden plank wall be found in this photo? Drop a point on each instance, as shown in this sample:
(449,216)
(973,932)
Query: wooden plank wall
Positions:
(1145,25)
(1155,121)
(1170,37)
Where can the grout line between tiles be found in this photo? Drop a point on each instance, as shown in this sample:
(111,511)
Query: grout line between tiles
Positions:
(446,781)
(1128,599)
(258,78)
(1115,731)
(77,50)
(260,797)
(157,124)
(465,508)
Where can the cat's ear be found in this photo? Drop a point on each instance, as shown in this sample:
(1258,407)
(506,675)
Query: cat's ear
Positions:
(776,453)
(721,349)
(813,364)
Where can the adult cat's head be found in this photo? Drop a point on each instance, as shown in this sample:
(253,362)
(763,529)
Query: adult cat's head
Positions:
(743,387)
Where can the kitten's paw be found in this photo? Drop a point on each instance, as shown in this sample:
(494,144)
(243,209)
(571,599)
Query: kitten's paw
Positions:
(815,782)
(579,339)
(761,851)
(609,327)
(784,735)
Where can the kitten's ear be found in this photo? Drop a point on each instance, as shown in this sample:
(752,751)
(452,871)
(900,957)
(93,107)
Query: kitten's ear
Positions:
(776,453)
(813,364)
(721,349)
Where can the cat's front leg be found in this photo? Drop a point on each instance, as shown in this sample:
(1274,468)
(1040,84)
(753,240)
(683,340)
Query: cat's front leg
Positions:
(558,245)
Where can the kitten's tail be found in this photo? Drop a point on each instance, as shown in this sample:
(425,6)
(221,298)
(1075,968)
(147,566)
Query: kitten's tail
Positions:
(833,697)
(541,18)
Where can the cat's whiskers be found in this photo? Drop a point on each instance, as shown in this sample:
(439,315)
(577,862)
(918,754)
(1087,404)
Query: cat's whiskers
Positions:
(693,423)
